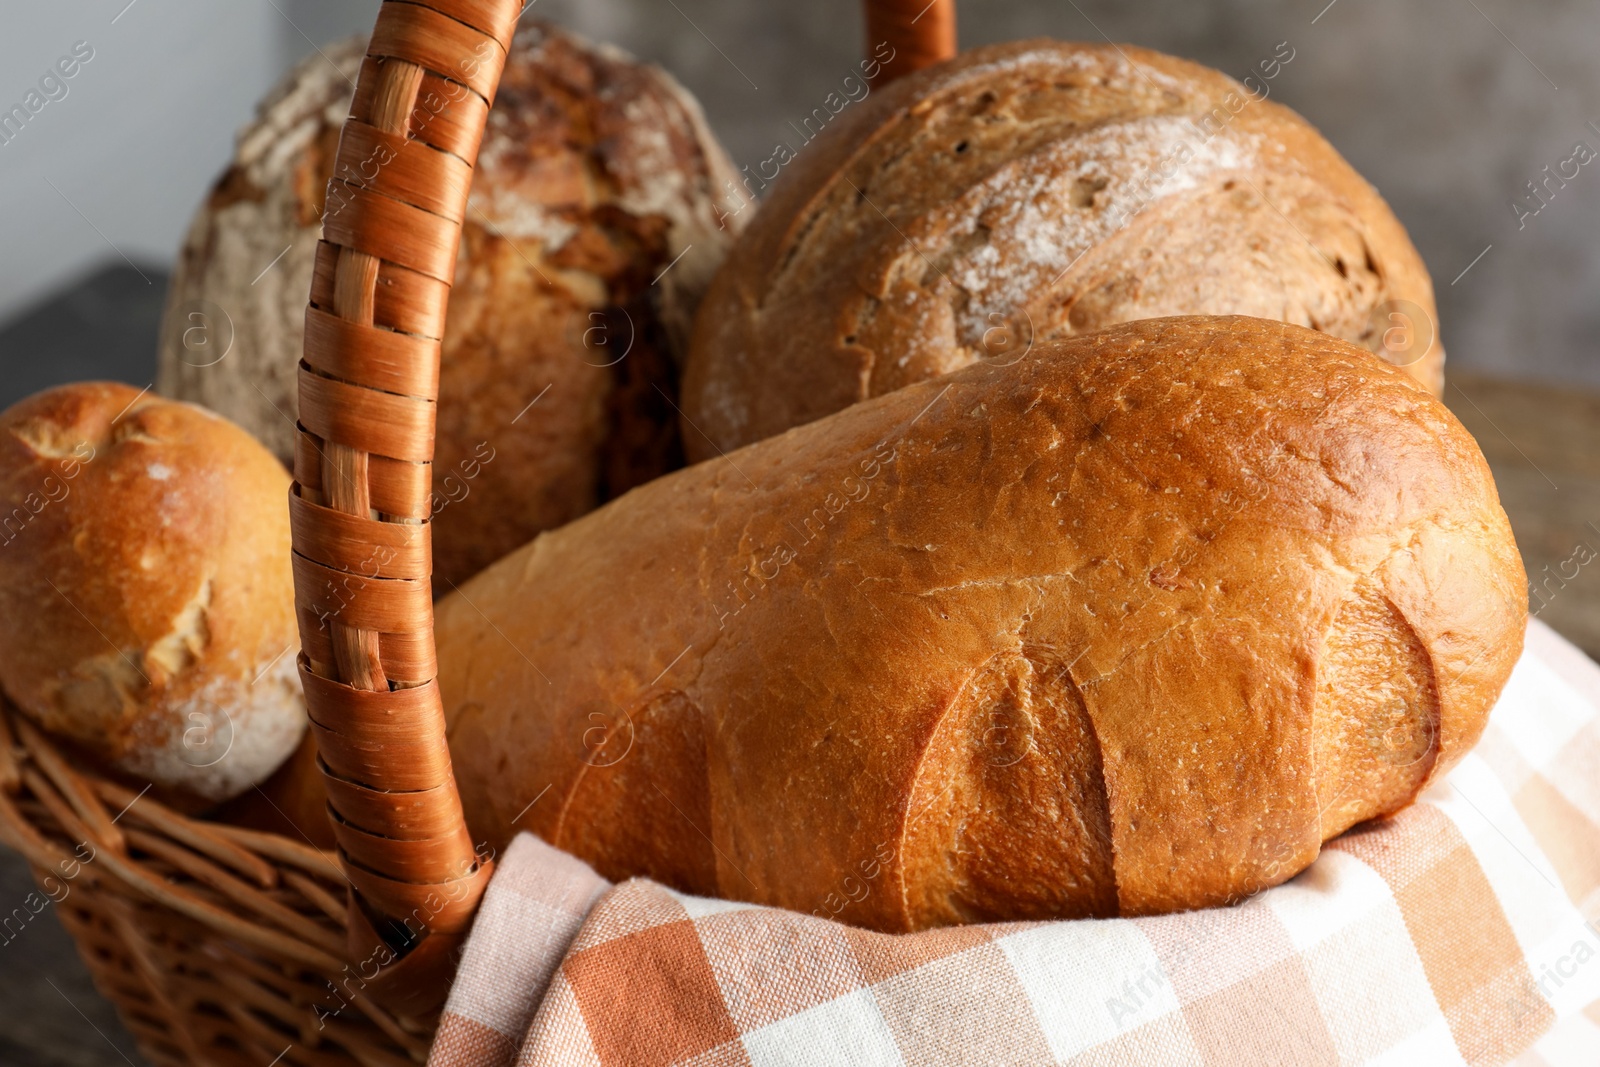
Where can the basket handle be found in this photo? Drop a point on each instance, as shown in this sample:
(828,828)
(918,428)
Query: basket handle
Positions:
(362,492)
(921,33)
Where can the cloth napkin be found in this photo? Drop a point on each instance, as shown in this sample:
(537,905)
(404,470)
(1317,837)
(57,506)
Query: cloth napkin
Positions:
(1466,929)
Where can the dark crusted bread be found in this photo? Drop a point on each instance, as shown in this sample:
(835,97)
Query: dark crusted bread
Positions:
(1036,190)
(1132,625)
(596,173)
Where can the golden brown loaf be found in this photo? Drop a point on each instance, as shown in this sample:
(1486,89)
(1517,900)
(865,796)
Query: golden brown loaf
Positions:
(596,172)
(1035,190)
(1131,625)
(145,580)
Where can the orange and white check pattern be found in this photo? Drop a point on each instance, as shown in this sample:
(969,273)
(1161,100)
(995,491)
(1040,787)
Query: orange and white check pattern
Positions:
(1466,930)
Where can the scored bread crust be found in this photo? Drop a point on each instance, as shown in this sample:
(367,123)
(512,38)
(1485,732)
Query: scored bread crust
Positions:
(596,172)
(1130,626)
(1033,190)
(146,588)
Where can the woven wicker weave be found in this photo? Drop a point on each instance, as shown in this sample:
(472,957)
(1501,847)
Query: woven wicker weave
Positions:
(230,946)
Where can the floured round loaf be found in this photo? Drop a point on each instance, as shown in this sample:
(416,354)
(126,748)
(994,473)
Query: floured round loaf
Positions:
(146,588)
(1036,190)
(1130,626)
(596,173)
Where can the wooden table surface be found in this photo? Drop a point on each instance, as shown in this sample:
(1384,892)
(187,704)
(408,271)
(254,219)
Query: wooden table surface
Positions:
(1542,442)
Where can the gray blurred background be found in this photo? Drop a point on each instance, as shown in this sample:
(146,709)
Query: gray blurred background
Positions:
(1450,107)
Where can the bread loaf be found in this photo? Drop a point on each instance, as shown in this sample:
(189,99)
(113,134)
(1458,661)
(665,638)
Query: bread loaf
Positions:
(595,175)
(1132,625)
(145,580)
(1036,190)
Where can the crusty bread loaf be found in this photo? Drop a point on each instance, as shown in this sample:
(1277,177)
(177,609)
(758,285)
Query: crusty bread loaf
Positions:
(1036,190)
(1131,625)
(596,173)
(146,588)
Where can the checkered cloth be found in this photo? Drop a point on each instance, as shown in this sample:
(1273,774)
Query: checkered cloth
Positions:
(1464,930)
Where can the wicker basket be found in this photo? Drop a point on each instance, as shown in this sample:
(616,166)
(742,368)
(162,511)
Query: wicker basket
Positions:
(225,945)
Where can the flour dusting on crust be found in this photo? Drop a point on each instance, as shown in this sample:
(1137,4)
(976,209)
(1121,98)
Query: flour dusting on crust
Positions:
(1035,229)
(227,736)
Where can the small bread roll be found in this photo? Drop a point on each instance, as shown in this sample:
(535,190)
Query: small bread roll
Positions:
(595,224)
(1031,191)
(145,577)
